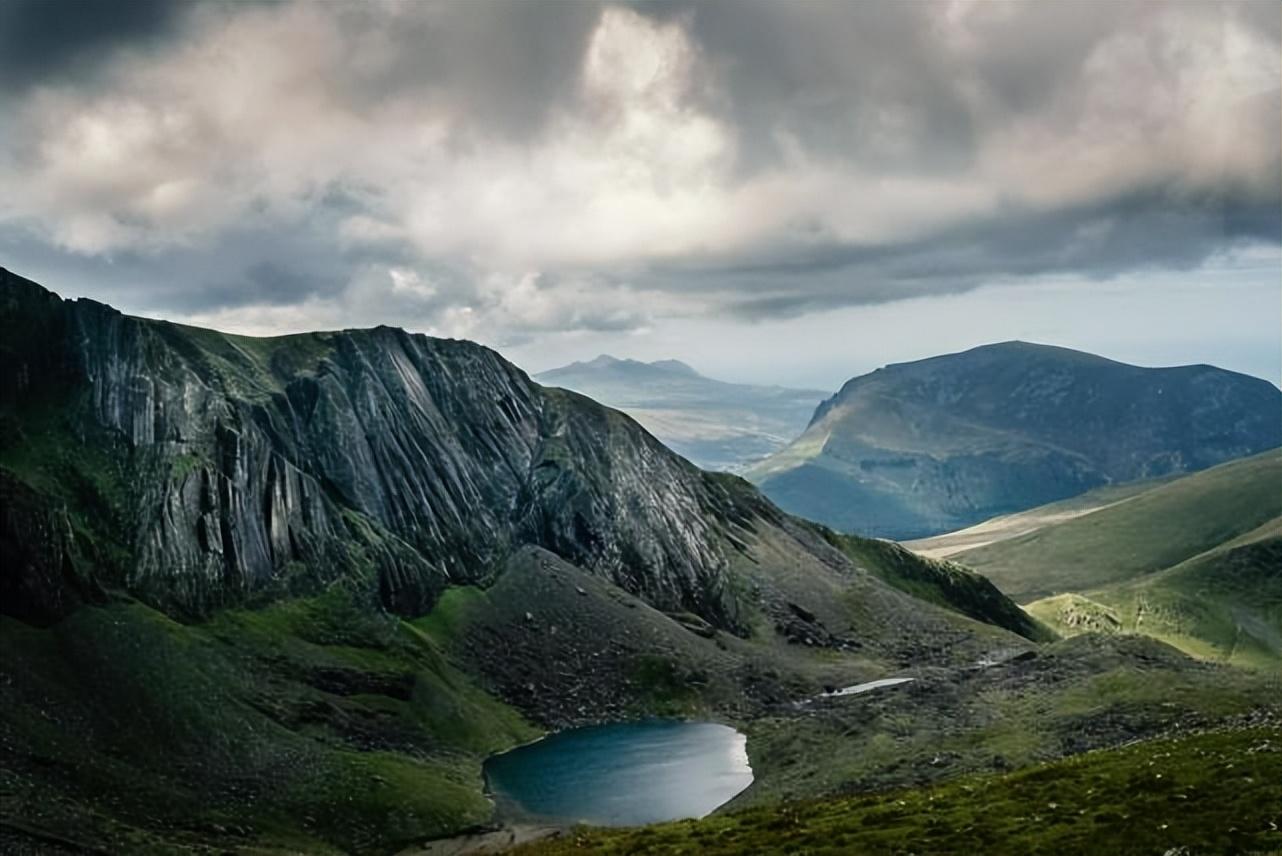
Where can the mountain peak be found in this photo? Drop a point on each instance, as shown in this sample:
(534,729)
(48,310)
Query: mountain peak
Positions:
(675,366)
(1025,423)
(609,363)
(601,361)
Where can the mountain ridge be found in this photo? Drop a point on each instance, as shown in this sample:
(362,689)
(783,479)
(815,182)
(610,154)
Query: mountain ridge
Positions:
(285,595)
(306,420)
(918,448)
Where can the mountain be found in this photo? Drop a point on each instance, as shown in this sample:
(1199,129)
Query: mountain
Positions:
(717,425)
(286,594)
(936,445)
(1195,561)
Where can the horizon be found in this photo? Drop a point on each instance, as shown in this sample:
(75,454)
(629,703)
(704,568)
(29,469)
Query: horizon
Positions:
(886,182)
(827,390)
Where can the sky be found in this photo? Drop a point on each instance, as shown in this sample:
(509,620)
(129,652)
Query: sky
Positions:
(775,192)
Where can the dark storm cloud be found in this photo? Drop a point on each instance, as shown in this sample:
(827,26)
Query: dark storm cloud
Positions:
(50,40)
(534,166)
(507,63)
(1153,228)
(833,75)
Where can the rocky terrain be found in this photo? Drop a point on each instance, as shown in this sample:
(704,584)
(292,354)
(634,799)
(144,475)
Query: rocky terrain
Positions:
(916,449)
(716,425)
(285,595)
(229,463)
(341,563)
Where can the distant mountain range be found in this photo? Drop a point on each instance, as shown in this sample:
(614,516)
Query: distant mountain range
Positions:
(716,425)
(1194,561)
(920,448)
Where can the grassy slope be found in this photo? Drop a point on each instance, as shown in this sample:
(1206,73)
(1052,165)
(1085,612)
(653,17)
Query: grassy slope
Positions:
(1078,694)
(309,725)
(1022,522)
(1157,529)
(942,583)
(1225,604)
(1216,792)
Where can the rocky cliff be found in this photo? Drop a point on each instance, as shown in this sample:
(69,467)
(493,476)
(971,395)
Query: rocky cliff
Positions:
(204,469)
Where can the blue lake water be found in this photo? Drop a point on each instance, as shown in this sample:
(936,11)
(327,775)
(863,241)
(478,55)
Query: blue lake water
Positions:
(623,774)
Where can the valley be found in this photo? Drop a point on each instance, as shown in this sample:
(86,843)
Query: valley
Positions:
(288,595)
(714,424)
(732,427)
(1195,561)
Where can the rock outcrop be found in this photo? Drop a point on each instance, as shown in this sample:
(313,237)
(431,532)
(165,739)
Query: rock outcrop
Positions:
(232,466)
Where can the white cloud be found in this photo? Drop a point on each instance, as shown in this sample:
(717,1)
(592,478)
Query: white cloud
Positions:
(641,160)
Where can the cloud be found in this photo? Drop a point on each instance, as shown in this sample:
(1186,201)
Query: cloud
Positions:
(42,41)
(508,169)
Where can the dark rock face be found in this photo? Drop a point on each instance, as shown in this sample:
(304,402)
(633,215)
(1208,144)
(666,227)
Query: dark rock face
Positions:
(920,448)
(256,465)
(42,580)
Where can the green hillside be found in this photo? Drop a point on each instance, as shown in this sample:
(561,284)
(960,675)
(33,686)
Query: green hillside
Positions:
(1196,562)
(1225,604)
(1156,530)
(942,583)
(1009,526)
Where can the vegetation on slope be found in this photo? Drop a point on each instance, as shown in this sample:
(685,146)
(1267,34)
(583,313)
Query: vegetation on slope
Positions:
(1152,531)
(1225,604)
(1216,792)
(1075,695)
(1009,526)
(312,725)
(945,584)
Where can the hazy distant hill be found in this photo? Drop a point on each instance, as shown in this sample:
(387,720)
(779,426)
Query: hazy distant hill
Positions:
(717,425)
(919,448)
(1196,562)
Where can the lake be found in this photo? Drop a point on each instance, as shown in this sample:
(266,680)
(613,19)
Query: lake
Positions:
(623,774)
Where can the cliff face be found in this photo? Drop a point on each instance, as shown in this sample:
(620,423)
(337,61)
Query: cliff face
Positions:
(224,467)
(924,447)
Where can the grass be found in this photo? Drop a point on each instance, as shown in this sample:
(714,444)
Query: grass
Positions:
(1223,605)
(250,366)
(309,725)
(1010,525)
(1077,694)
(1154,530)
(1216,792)
(944,584)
